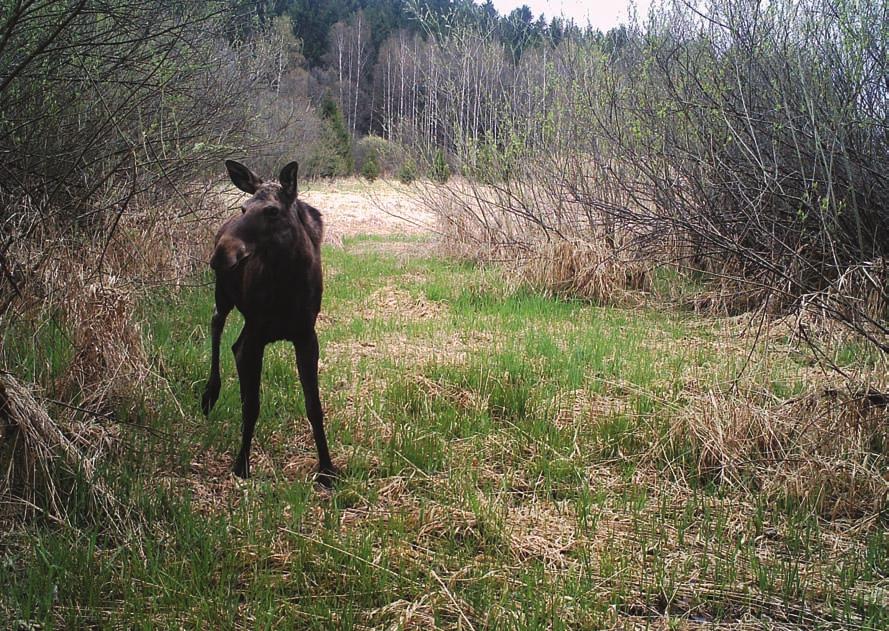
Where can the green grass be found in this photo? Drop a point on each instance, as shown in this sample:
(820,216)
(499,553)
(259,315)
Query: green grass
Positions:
(501,468)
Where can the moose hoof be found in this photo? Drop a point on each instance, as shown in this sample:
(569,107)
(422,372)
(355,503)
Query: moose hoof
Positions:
(241,469)
(326,477)
(208,400)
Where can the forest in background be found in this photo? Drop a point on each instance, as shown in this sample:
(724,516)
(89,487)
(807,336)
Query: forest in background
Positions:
(374,57)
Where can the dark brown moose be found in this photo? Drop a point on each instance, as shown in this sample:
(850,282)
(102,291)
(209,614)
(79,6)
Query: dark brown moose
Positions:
(268,265)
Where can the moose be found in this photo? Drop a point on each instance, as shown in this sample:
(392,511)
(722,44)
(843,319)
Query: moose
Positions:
(267,262)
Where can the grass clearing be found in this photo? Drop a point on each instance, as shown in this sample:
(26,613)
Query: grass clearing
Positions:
(509,460)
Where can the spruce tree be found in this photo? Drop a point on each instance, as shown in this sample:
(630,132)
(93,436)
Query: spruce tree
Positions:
(342,143)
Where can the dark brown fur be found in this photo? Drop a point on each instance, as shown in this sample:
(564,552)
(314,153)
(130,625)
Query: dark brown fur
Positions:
(268,264)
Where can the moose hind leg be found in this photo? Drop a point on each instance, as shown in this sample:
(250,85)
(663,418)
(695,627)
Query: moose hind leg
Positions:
(306,347)
(248,357)
(211,391)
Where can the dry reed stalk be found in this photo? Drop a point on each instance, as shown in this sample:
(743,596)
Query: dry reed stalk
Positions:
(589,270)
(109,359)
(858,299)
(37,447)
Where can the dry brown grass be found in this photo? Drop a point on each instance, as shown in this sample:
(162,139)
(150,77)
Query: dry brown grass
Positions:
(568,409)
(353,207)
(108,354)
(43,457)
(391,302)
(408,350)
(587,270)
(826,448)
(545,532)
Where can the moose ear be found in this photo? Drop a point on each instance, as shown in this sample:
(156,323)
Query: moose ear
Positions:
(288,179)
(243,178)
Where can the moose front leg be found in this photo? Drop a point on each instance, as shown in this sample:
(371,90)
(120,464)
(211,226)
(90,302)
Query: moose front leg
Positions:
(211,391)
(248,352)
(306,347)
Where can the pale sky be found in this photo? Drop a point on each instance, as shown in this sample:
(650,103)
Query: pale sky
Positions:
(602,14)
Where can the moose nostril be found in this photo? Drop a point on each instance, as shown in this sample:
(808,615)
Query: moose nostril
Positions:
(243,209)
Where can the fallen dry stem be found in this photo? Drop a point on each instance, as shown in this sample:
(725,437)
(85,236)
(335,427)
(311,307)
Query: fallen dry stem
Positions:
(36,445)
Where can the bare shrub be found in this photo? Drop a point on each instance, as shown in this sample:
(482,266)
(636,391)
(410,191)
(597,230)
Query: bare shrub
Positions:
(740,143)
(113,117)
(749,138)
(72,326)
(104,190)
(544,239)
(282,116)
(855,305)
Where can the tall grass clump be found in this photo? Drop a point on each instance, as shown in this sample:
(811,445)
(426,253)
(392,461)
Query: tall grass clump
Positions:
(824,450)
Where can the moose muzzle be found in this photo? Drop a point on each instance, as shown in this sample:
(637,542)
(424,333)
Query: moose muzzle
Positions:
(228,253)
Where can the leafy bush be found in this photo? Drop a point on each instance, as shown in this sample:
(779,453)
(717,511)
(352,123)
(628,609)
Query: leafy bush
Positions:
(370,169)
(388,155)
(408,172)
